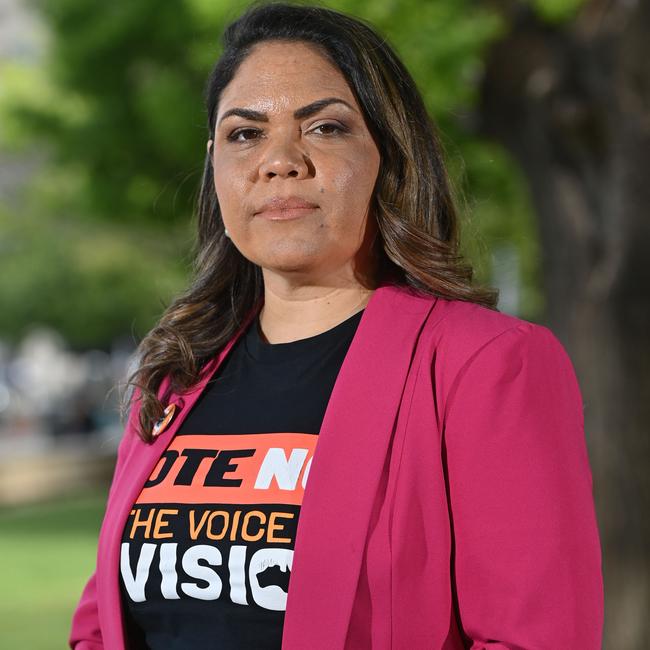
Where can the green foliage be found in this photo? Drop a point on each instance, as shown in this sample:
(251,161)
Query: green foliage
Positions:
(499,215)
(91,281)
(441,43)
(139,128)
(557,11)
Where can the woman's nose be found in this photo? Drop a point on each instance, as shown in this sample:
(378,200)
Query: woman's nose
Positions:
(284,159)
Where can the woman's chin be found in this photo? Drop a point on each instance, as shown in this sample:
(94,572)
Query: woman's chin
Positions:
(293,266)
(288,257)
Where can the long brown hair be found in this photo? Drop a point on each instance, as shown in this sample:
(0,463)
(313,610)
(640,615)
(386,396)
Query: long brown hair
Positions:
(418,240)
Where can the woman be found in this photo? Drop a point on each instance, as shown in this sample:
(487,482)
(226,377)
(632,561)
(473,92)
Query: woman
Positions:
(331,335)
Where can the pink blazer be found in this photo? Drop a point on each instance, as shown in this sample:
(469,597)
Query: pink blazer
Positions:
(449,502)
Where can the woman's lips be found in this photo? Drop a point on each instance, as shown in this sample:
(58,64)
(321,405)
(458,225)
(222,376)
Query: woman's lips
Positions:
(282,208)
(285,213)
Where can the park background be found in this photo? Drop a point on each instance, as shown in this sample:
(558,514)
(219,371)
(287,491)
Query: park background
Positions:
(544,110)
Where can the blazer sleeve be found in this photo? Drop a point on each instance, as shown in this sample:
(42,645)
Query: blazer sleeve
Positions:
(85,631)
(527,557)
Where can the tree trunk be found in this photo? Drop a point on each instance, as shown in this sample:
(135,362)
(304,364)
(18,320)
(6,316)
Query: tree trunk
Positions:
(571,102)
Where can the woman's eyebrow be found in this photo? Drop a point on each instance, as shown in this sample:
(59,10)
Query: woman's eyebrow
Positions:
(298,114)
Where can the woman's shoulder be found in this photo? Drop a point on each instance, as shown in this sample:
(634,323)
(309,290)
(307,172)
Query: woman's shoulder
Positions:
(463,323)
(496,345)
(459,329)
(475,323)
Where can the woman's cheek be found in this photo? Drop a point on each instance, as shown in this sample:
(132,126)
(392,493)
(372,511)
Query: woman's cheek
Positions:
(230,195)
(354,185)
(343,177)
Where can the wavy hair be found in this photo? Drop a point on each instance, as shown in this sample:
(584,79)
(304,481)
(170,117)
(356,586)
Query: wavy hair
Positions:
(418,239)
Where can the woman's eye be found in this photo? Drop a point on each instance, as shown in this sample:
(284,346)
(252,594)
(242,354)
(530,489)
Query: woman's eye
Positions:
(330,128)
(234,136)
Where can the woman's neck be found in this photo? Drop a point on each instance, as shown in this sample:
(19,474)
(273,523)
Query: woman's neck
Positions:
(307,311)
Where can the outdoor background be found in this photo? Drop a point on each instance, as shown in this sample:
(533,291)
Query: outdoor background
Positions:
(544,107)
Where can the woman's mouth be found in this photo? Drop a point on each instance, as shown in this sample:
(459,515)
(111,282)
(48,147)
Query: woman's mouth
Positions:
(285,214)
(279,208)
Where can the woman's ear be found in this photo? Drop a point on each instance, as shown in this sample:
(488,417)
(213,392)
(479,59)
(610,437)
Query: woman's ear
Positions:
(209,145)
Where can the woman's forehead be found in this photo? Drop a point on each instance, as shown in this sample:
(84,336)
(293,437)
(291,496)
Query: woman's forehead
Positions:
(277,75)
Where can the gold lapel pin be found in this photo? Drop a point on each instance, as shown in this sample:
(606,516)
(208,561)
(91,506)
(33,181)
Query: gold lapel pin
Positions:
(161,425)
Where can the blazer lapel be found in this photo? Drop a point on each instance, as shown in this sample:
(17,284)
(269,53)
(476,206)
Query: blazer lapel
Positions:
(346,470)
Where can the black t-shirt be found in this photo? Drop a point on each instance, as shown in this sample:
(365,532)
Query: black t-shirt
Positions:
(207,549)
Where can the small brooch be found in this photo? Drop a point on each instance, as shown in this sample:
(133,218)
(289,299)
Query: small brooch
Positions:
(161,425)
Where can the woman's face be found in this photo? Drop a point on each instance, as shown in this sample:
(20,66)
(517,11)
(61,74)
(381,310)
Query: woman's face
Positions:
(277,139)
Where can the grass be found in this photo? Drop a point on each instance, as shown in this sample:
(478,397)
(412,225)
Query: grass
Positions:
(47,552)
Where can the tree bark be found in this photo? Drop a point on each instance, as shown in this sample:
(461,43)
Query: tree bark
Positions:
(571,102)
